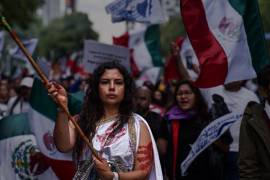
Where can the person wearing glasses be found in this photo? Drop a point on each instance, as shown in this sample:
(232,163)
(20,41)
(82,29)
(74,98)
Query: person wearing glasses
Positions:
(182,124)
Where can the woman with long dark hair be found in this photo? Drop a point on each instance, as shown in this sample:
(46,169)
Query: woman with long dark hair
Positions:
(122,138)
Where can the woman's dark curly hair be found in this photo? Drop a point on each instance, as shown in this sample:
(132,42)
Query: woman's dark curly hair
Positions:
(200,104)
(93,109)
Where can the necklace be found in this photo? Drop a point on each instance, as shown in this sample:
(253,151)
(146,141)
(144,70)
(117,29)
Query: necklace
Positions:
(105,120)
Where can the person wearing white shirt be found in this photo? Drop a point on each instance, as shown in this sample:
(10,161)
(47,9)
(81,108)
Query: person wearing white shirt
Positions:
(235,97)
(20,103)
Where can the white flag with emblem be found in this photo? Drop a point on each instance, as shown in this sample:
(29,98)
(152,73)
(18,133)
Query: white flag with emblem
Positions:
(146,11)
(30,45)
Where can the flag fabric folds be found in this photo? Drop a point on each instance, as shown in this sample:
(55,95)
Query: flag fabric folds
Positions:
(20,158)
(144,44)
(227,38)
(42,119)
(146,11)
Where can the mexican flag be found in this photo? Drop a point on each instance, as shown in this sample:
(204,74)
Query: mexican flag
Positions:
(144,43)
(42,117)
(20,158)
(227,37)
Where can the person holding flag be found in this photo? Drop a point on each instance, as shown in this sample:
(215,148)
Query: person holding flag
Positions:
(123,140)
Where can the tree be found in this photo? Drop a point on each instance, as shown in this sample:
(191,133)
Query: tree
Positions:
(20,12)
(169,32)
(65,35)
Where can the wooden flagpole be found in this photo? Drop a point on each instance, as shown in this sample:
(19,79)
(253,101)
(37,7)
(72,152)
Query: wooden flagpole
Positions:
(46,82)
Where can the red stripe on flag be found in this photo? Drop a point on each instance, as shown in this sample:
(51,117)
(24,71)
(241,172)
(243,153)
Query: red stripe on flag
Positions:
(211,56)
(64,170)
(123,41)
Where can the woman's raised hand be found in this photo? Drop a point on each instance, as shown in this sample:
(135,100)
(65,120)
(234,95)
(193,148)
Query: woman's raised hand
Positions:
(58,93)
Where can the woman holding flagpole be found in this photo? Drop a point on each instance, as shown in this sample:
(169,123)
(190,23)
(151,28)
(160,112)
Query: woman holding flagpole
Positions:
(122,139)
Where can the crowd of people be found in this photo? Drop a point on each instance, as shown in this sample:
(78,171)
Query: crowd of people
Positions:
(146,132)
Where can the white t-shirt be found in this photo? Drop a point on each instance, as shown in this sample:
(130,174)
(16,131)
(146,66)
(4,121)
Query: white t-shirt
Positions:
(236,102)
(20,107)
(3,110)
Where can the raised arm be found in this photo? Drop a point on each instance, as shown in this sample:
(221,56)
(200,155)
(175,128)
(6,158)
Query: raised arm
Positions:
(64,131)
(180,66)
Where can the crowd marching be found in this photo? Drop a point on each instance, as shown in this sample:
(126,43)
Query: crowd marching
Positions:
(206,116)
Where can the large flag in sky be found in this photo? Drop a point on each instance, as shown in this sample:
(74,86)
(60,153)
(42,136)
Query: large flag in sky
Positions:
(30,45)
(42,120)
(20,157)
(227,37)
(144,43)
(146,11)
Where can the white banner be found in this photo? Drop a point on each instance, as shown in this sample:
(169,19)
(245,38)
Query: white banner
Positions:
(208,135)
(96,53)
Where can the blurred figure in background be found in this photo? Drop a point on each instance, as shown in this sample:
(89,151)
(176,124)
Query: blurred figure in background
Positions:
(142,102)
(181,126)
(4,97)
(254,143)
(20,103)
(234,97)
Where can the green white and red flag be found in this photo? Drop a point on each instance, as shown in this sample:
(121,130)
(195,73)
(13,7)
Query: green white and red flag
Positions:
(227,38)
(42,118)
(20,157)
(144,44)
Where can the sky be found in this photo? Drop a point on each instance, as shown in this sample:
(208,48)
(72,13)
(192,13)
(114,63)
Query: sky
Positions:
(101,20)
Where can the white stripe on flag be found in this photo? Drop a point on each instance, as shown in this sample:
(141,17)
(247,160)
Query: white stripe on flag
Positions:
(43,127)
(228,28)
(141,54)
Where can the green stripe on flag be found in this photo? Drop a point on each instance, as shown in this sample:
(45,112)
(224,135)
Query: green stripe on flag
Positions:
(254,30)
(152,41)
(42,103)
(14,125)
